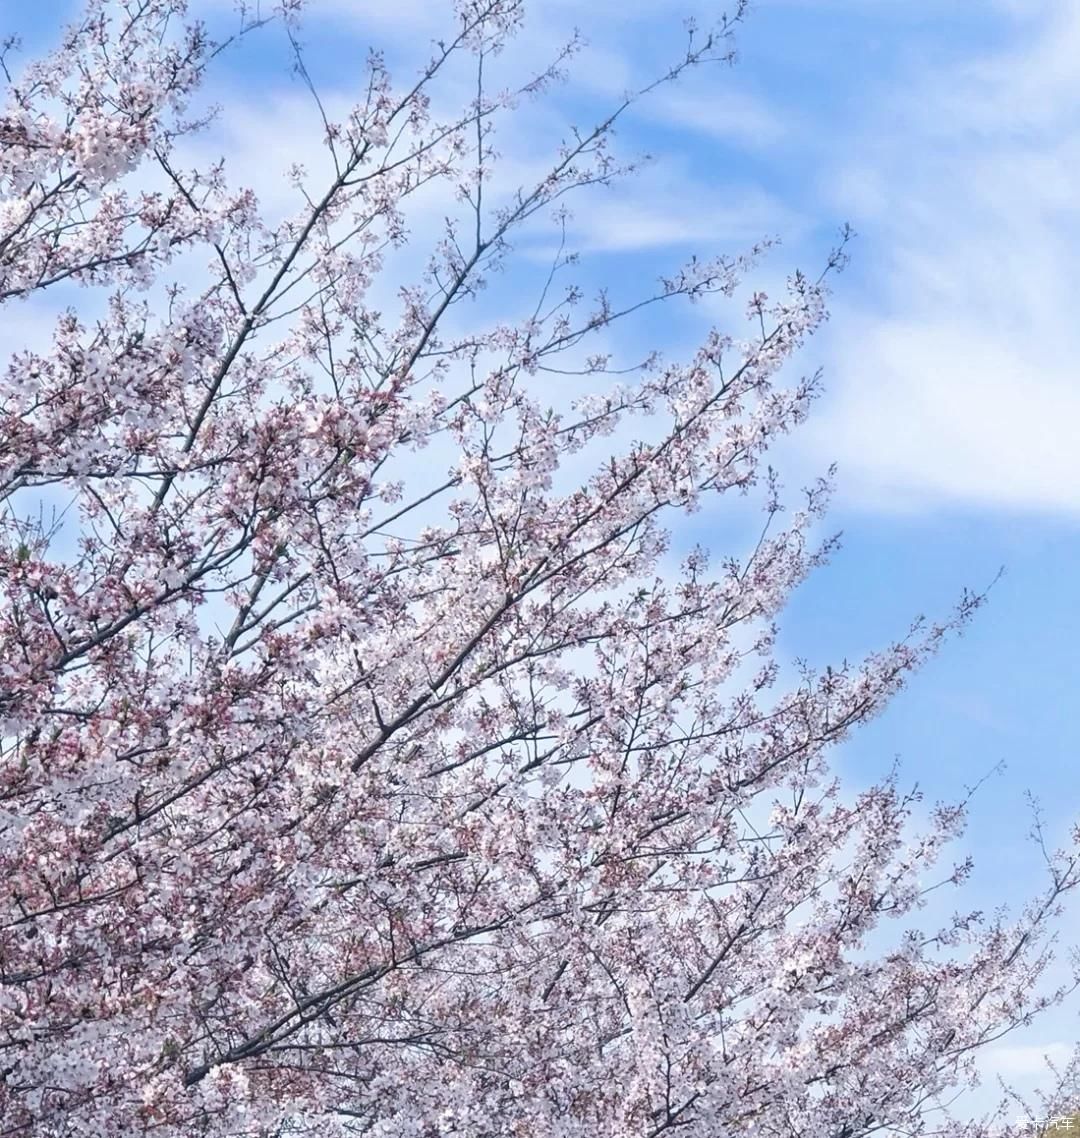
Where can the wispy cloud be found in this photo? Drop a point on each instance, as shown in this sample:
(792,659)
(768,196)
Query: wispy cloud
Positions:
(731,115)
(1022,1061)
(666,208)
(958,380)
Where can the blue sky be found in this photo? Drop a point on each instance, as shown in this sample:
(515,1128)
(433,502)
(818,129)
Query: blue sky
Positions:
(947,132)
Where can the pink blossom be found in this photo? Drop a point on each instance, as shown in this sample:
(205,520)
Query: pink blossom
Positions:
(360,768)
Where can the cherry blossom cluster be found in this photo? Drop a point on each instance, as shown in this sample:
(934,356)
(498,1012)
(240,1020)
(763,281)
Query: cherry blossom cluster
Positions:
(348,789)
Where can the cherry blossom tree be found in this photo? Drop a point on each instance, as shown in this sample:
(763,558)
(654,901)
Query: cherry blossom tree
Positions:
(348,789)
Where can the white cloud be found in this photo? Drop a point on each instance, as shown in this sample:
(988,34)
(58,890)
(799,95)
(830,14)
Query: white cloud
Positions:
(951,411)
(728,113)
(958,381)
(1019,1062)
(664,207)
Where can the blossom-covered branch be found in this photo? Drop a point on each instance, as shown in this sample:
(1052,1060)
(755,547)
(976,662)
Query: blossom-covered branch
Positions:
(348,790)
